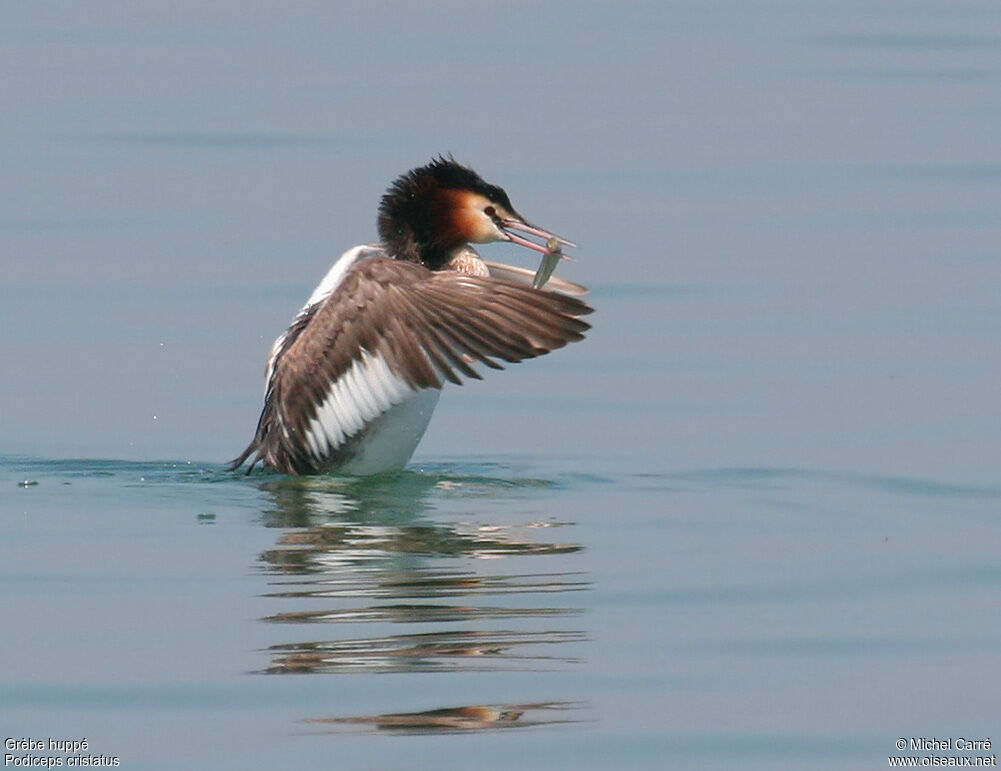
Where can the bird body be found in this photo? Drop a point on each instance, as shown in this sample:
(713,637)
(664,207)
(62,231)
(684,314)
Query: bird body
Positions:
(353,382)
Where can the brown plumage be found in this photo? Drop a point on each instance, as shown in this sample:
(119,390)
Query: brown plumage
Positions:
(393,326)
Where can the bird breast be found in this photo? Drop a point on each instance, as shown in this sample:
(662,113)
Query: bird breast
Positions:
(466,260)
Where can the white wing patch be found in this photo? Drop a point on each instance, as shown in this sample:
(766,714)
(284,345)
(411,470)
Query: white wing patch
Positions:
(368,390)
(323,290)
(526,277)
(339,270)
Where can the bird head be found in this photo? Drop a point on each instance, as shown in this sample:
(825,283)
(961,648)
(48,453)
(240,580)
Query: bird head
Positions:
(430,212)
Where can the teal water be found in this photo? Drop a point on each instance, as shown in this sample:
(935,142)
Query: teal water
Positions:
(753,519)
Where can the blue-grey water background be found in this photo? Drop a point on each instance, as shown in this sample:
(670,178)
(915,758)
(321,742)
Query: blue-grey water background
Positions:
(753,519)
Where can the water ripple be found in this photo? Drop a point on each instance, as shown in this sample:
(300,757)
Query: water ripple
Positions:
(453,651)
(467,719)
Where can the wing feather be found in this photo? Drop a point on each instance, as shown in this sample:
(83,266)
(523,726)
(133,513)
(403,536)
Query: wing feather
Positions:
(383,332)
(526,277)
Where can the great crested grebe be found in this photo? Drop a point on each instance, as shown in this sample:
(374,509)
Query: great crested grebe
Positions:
(351,384)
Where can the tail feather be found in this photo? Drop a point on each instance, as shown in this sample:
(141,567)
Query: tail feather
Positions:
(234,464)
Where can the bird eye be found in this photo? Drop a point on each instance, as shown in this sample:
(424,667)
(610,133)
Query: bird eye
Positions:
(490,211)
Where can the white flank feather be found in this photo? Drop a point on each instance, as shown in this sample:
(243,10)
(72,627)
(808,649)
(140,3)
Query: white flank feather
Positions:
(366,393)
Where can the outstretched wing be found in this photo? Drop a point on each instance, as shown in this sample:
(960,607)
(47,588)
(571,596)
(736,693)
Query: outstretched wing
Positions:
(387,331)
(526,277)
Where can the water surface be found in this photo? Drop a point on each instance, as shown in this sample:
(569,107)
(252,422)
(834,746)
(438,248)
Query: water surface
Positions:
(752,519)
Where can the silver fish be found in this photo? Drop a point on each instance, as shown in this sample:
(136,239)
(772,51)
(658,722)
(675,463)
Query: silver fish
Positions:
(550,258)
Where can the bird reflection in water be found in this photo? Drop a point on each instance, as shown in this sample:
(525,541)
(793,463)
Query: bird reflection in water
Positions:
(462,719)
(410,554)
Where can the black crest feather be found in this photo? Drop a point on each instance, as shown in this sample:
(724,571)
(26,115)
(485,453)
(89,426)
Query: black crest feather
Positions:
(413,222)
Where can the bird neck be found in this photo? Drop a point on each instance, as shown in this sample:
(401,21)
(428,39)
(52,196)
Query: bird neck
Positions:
(466,260)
